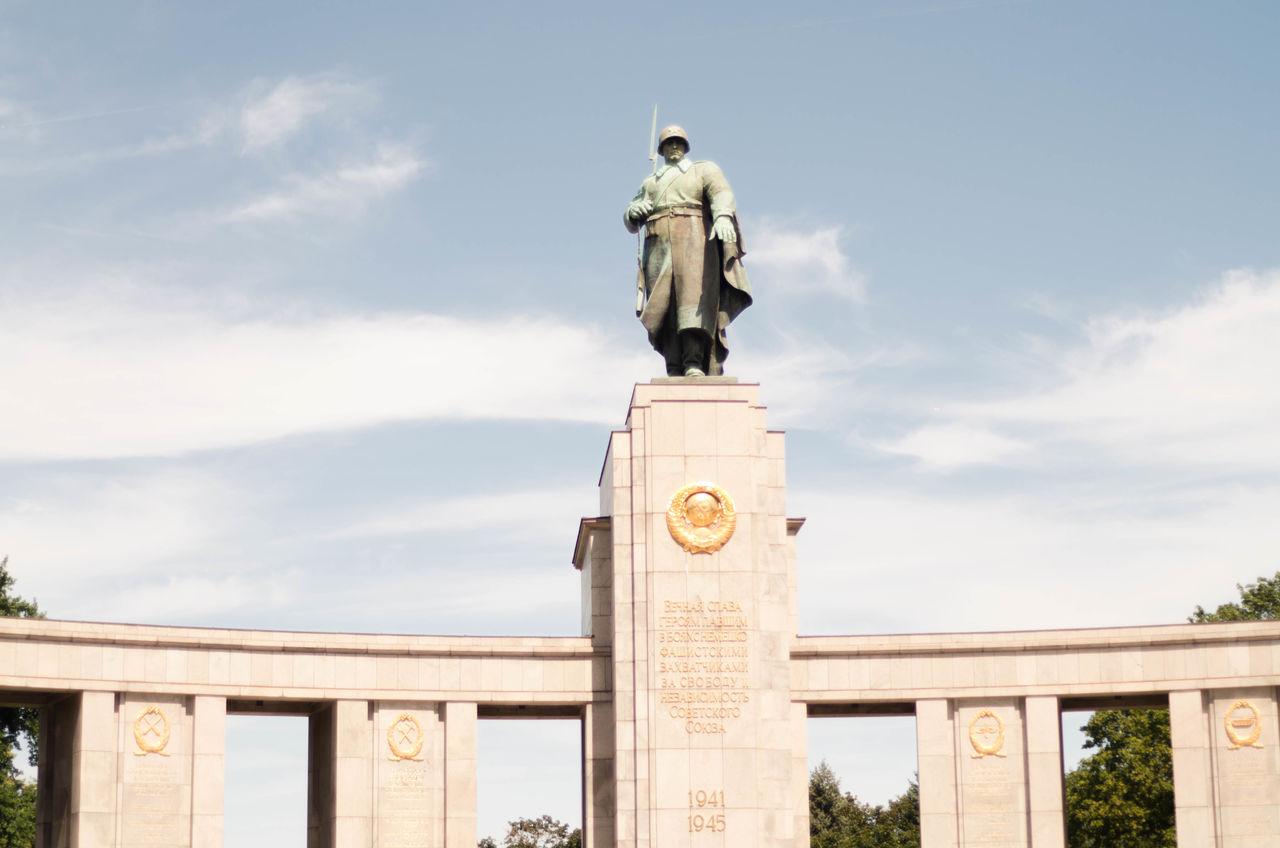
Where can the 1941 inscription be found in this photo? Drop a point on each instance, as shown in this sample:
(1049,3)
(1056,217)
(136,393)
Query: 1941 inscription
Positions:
(704,666)
(706,819)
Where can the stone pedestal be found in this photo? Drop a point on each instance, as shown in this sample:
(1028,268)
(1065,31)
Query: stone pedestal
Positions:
(700,621)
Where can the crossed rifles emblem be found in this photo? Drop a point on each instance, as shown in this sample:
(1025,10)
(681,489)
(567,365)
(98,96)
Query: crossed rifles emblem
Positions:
(151,732)
(404,738)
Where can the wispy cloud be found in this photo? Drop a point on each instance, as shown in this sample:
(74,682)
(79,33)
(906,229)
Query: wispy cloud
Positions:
(347,189)
(102,375)
(805,261)
(1188,386)
(945,447)
(263,116)
(273,113)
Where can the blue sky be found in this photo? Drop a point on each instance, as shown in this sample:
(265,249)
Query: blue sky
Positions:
(317,316)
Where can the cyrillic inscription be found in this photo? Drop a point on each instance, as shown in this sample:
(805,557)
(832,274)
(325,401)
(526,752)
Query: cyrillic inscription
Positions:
(704,666)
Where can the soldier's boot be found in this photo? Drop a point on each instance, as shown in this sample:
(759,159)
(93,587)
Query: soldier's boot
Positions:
(671,352)
(693,347)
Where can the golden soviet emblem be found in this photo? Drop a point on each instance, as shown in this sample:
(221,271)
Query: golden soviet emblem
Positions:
(151,732)
(1244,725)
(701,518)
(404,738)
(986,734)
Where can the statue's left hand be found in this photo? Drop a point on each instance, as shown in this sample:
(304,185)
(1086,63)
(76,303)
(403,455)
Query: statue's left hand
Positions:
(723,229)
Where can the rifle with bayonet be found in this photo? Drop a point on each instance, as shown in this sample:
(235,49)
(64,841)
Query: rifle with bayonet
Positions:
(653,157)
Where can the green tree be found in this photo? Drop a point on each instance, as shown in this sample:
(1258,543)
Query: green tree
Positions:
(1258,602)
(839,820)
(1122,794)
(901,819)
(17,813)
(829,811)
(17,797)
(542,832)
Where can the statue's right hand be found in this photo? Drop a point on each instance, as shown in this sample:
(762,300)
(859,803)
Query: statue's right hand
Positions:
(639,209)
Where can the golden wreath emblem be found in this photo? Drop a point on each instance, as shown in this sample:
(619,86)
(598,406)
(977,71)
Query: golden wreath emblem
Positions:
(984,727)
(1243,728)
(151,732)
(404,738)
(701,518)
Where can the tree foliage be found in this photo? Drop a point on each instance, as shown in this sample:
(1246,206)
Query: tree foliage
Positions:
(1258,602)
(1122,794)
(839,820)
(542,832)
(17,813)
(17,797)
(16,723)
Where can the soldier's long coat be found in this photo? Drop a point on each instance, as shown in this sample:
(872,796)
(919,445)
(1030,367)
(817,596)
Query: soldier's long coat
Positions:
(691,282)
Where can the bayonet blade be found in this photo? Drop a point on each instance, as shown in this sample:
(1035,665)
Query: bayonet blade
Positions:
(653,139)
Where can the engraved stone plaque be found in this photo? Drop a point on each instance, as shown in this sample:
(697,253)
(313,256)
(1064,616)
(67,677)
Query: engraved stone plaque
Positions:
(993,794)
(1247,766)
(410,785)
(155,792)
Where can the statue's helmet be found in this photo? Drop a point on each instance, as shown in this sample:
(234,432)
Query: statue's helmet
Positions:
(673,131)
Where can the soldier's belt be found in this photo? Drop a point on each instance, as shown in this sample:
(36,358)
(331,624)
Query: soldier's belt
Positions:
(685,210)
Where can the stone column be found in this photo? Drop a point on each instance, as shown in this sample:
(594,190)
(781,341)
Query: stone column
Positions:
(1192,782)
(701,632)
(1044,772)
(936,764)
(58,720)
(76,797)
(208,770)
(800,772)
(340,776)
(598,779)
(131,769)
(93,788)
(320,768)
(459,775)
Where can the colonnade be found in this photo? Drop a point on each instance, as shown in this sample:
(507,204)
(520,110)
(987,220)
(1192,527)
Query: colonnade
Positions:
(691,684)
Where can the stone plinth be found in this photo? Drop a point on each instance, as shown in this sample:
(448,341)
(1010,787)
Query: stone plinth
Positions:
(702,724)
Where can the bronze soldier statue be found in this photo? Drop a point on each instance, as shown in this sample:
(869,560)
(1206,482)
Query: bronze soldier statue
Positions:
(694,282)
